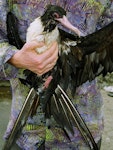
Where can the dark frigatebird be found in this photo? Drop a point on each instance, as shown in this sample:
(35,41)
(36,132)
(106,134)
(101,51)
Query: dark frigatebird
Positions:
(81,58)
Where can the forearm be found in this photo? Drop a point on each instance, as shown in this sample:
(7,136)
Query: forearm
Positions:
(7,71)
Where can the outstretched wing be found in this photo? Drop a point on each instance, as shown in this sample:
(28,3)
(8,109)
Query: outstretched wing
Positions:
(101,44)
(92,56)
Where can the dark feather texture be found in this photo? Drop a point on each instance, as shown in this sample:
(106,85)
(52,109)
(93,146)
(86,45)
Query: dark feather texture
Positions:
(97,49)
(12,30)
(21,119)
(80,59)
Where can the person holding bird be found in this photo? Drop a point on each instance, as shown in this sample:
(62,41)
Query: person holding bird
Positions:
(39,134)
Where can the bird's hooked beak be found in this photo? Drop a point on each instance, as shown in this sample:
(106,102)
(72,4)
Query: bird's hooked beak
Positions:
(66,23)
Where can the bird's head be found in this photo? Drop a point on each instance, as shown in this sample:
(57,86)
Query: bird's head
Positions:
(50,16)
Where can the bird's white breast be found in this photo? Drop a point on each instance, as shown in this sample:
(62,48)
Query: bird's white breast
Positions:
(36,32)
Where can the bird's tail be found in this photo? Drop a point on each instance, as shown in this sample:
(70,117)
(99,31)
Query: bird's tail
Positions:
(66,114)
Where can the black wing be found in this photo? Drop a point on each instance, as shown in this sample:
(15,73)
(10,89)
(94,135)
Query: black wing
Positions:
(12,31)
(92,56)
(101,43)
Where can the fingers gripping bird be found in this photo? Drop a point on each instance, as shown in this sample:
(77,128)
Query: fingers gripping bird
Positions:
(80,59)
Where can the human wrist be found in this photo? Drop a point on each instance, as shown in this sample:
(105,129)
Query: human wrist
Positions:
(15,60)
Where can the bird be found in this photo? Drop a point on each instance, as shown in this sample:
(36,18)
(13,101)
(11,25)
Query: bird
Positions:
(81,58)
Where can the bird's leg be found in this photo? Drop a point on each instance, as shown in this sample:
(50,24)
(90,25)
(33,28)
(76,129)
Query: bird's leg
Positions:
(47,81)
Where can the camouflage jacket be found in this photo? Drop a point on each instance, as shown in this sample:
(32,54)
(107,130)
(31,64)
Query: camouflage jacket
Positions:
(88,16)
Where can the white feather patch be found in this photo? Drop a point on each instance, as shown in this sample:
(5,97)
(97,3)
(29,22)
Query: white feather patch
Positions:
(35,32)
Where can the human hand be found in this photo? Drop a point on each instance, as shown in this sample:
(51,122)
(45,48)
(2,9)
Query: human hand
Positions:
(28,58)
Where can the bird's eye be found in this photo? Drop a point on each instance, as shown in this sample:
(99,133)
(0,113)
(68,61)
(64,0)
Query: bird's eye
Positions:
(56,15)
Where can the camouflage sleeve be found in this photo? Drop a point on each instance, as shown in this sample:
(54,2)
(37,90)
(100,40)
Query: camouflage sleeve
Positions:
(7,71)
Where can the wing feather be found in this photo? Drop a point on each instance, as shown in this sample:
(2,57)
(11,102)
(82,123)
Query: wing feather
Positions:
(92,56)
(12,31)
